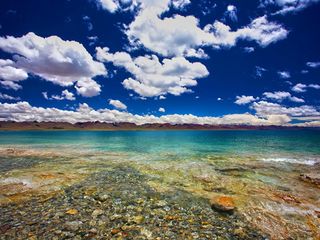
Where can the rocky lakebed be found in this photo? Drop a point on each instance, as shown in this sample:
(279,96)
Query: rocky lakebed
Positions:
(76,195)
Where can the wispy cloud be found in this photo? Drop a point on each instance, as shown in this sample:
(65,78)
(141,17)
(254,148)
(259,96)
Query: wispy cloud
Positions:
(117,104)
(284,74)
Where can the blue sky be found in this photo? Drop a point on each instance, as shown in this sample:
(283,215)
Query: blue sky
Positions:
(177,61)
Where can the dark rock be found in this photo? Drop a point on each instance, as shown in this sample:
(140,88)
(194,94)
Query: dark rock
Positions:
(4,228)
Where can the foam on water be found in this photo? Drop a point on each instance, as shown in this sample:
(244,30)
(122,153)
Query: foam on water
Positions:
(303,161)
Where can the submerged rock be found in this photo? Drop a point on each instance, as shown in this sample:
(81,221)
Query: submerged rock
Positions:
(96,213)
(161,203)
(240,232)
(223,204)
(288,198)
(147,233)
(103,197)
(138,219)
(72,212)
(73,226)
(311,178)
(115,231)
(5,228)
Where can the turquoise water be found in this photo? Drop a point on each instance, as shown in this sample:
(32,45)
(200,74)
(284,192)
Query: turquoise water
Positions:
(278,143)
(260,170)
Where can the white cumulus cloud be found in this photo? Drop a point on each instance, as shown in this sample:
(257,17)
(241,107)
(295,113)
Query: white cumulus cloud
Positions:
(299,88)
(152,77)
(53,59)
(10,75)
(177,35)
(109,5)
(87,87)
(264,108)
(243,100)
(161,109)
(23,111)
(65,95)
(129,5)
(180,4)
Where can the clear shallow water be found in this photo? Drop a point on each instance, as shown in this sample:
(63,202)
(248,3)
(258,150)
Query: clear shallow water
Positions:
(297,142)
(260,170)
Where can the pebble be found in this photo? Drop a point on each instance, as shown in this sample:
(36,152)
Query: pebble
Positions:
(93,231)
(96,213)
(115,231)
(103,197)
(146,233)
(73,226)
(223,204)
(138,219)
(240,232)
(72,211)
(161,203)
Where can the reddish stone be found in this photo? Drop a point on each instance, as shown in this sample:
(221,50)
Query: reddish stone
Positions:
(223,204)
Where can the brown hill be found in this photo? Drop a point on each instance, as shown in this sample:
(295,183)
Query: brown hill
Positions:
(10,125)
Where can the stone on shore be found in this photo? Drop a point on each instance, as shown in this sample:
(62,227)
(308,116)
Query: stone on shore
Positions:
(223,204)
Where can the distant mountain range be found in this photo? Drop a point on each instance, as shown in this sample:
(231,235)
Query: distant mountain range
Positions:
(10,125)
